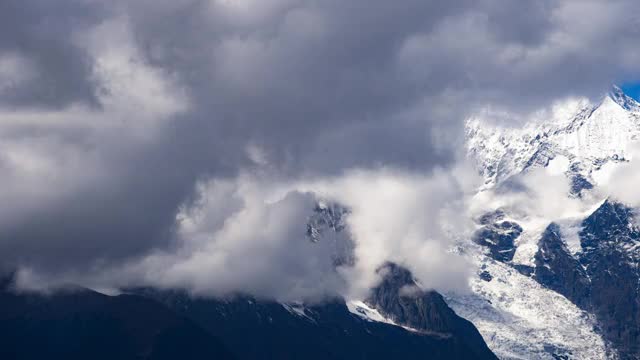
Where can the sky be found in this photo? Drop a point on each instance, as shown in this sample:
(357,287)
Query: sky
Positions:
(632,89)
(182,143)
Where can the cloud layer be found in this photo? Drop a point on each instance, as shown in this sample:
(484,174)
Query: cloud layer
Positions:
(111,115)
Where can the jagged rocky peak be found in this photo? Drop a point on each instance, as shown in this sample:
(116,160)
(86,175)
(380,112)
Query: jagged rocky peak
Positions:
(327,226)
(326,216)
(399,298)
(612,222)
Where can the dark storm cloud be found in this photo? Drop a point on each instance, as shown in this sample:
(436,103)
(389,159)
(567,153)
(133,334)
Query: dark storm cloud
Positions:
(42,33)
(287,88)
(288,74)
(524,22)
(295,73)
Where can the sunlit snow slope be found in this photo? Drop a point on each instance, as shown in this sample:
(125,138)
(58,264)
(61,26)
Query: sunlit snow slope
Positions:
(588,138)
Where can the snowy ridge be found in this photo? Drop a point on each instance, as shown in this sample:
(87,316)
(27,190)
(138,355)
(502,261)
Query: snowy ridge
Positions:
(589,137)
(364,311)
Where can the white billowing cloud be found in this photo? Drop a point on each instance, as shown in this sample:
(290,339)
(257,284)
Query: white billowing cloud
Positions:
(410,219)
(548,194)
(248,235)
(537,197)
(233,240)
(38,171)
(127,83)
(620,180)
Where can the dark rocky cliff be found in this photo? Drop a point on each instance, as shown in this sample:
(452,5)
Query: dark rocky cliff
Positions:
(399,298)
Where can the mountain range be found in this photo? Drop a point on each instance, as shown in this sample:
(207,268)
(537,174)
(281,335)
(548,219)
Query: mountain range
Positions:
(547,285)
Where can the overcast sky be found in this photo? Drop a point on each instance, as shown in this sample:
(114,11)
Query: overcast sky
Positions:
(173,142)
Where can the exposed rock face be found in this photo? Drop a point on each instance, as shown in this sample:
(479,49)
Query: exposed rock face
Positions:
(327,223)
(611,257)
(558,270)
(485,275)
(399,298)
(610,226)
(579,183)
(326,216)
(499,238)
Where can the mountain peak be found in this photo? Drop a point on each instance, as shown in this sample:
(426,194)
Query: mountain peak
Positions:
(585,138)
(625,101)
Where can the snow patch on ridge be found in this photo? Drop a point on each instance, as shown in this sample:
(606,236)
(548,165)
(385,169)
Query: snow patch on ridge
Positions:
(364,311)
(297,309)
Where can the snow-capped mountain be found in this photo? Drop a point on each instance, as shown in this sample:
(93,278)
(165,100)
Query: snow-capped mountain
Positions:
(548,285)
(585,140)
